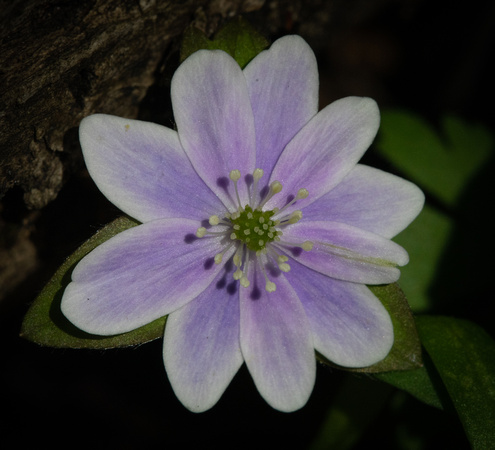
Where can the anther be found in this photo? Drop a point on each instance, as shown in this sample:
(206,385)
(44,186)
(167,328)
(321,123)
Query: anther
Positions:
(276,187)
(307,246)
(200,232)
(302,193)
(235,175)
(214,220)
(295,217)
(270,286)
(238,274)
(257,174)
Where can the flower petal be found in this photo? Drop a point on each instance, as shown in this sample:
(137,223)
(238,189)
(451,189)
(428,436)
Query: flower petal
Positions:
(140,275)
(143,170)
(215,121)
(201,348)
(345,252)
(276,342)
(350,325)
(326,149)
(370,199)
(283,88)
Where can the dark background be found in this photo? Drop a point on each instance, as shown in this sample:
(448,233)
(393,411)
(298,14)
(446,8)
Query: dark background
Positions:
(427,56)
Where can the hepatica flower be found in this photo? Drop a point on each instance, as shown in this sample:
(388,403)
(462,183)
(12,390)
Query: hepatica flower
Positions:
(259,229)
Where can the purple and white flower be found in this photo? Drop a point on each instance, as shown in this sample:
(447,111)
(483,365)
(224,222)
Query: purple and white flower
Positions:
(259,229)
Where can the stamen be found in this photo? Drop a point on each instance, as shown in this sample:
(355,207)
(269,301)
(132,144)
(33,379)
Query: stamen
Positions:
(239,274)
(235,176)
(281,260)
(270,286)
(301,193)
(238,255)
(275,188)
(295,217)
(242,276)
(257,174)
(306,245)
(219,256)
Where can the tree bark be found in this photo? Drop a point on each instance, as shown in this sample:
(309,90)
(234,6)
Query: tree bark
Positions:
(63,60)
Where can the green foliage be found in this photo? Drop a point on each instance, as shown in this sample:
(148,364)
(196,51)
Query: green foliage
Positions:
(464,356)
(238,38)
(441,163)
(45,324)
(418,382)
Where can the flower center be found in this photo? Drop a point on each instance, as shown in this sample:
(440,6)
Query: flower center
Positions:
(254,232)
(254,228)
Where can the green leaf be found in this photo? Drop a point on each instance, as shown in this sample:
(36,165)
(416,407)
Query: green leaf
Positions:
(442,163)
(418,383)
(464,356)
(406,351)
(45,324)
(192,41)
(238,38)
(426,240)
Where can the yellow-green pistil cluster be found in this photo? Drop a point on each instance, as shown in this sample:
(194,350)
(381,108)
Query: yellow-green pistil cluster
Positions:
(252,229)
